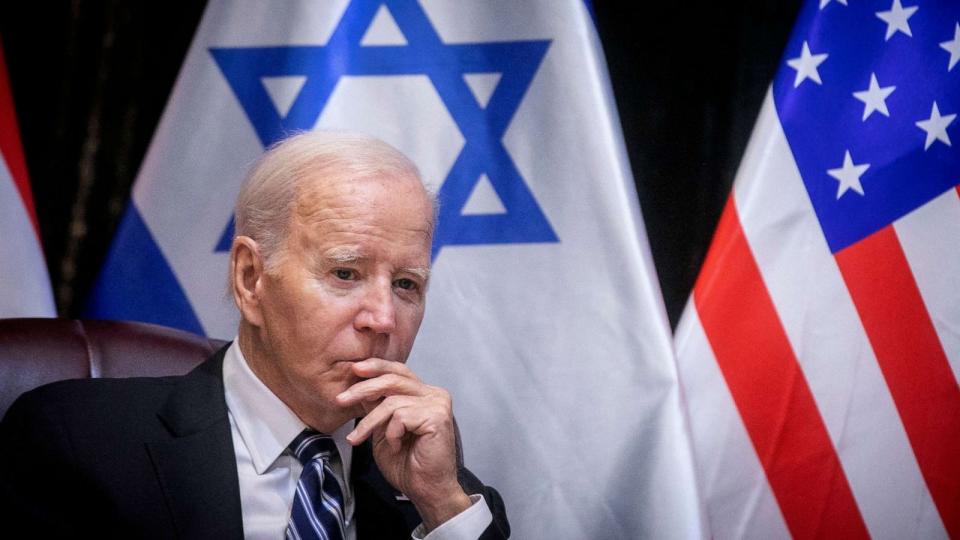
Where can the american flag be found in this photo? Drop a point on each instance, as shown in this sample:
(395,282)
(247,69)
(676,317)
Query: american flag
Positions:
(820,352)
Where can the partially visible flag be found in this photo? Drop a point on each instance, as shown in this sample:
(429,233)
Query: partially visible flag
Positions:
(24,282)
(544,317)
(820,351)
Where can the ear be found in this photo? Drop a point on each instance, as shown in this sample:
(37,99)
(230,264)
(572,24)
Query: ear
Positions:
(247,273)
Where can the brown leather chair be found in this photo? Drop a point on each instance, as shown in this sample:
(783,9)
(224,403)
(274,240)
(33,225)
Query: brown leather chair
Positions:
(34,352)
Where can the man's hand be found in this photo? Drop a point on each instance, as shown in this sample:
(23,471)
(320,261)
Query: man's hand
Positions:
(410,425)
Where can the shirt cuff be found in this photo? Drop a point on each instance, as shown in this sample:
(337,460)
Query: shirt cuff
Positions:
(468,524)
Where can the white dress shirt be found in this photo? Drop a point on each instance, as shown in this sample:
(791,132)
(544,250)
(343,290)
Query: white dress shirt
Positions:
(262,427)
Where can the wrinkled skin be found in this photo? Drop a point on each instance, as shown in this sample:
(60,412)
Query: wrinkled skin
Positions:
(329,325)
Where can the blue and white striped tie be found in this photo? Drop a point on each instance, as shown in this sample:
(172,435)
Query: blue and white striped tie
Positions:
(317,511)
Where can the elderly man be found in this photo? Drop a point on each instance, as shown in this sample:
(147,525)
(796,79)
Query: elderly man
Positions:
(329,269)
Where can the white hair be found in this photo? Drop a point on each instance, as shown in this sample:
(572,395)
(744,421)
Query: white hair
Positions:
(269,194)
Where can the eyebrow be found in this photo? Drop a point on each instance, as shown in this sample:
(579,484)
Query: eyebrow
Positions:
(422,273)
(343,255)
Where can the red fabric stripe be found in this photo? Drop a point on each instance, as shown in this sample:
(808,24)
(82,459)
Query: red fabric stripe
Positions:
(912,360)
(770,390)
(10,145)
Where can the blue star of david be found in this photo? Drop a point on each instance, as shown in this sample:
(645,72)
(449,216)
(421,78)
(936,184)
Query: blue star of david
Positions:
(445,65)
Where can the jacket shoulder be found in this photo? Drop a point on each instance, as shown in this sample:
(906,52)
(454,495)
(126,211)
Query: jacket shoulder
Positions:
(90,398)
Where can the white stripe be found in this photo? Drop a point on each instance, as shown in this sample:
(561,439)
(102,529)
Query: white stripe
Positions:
(329,499)
(930,237)
(24,283)
(307,504)
(326,499)
(292,531)
(318,452)
(303,444)
(738,499)
(828,338)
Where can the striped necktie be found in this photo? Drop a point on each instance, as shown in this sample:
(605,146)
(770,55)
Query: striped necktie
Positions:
(317,511)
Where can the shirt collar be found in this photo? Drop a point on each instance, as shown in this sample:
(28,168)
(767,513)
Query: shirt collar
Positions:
(265,423)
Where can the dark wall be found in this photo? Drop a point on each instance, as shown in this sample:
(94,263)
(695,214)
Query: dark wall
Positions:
(90,80)
(689,79)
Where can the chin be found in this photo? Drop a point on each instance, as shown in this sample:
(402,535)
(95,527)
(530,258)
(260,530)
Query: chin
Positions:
(331,417)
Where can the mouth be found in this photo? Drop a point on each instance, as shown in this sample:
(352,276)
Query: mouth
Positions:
(381,355)
(346,368)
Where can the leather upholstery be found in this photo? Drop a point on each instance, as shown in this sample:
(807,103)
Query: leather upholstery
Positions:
(34,352)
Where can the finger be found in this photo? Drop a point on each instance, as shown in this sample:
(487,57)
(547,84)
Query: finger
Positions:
(378,417)
(396,429)
(373,367)
(381,386)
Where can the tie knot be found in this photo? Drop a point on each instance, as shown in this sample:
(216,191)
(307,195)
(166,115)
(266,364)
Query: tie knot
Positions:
(310,445)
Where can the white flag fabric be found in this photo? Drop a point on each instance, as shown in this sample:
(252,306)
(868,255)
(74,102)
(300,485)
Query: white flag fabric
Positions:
(820,351)
(544,317)
(24,282)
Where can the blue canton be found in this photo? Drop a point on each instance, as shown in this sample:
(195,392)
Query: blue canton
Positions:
(867,96)
(445,65)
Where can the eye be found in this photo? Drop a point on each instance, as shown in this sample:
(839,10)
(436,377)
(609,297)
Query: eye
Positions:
(344,273)
(406,284)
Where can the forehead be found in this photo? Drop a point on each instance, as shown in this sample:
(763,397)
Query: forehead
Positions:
(314,191)
(364,213)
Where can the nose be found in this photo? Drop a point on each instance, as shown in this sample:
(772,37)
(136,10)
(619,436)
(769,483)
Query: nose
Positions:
(378,312)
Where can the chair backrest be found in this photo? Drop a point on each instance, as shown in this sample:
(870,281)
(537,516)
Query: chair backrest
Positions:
(34,352)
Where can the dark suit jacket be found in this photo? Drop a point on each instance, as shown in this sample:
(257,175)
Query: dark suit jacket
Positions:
(153,458)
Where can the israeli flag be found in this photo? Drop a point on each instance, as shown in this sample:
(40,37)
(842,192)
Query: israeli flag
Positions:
(544,317)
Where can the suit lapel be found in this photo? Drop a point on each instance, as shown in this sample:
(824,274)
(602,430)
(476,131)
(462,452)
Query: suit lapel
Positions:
(381,511)
(196,465)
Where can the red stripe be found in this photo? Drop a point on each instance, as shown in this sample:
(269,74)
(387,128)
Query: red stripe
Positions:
(912,360)
(770,390)
(11,149)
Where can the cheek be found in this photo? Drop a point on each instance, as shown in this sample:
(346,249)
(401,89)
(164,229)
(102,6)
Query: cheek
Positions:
(325,303)
(320,375)
(412,314)
(282,304)
(328,332)
(408,324)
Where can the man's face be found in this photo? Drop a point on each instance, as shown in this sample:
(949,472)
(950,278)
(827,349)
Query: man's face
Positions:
(349,285)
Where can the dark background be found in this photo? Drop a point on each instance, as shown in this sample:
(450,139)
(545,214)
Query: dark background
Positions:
(90,80)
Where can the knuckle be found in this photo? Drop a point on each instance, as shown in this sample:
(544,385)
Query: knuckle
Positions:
(392,402)
(396,424)
(442,396)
